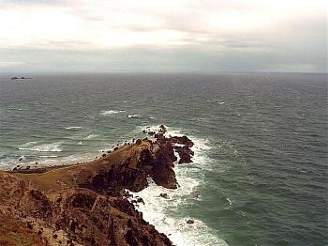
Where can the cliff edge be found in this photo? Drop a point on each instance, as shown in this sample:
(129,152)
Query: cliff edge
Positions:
(87,203)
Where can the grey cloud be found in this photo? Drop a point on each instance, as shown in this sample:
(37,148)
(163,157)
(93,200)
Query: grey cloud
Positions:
(300,45)
(190,59)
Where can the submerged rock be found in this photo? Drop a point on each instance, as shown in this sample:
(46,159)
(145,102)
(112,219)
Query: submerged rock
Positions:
(190,221)
(164,195)
(162,129)
(140,200)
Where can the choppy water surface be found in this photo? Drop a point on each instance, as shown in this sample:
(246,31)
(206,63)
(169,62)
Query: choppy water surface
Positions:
(259,176)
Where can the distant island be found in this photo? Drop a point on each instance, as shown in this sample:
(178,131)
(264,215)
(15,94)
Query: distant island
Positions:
(16,78)
(88,203)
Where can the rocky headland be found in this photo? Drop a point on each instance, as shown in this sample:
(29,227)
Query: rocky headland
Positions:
(88,203)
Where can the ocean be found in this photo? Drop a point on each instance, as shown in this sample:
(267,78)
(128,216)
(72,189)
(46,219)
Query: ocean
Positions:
(259,175)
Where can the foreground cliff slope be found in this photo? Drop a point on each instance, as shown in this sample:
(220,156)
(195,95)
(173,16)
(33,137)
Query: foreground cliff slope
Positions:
(87,203)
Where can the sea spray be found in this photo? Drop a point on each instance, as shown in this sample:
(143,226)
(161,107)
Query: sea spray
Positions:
(161,211)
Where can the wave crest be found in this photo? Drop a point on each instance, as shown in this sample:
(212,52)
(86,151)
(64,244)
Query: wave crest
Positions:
(73,127)
(109,112)
(53,147)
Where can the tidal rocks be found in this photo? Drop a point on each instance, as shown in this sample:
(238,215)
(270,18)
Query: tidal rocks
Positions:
(185,154)
(190,221)
(183,140)
(182,145)
(137,200)
(140,200)
(162,129)
(164,195)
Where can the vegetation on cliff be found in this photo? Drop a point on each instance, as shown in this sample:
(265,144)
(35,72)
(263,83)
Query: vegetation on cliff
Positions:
(86,203)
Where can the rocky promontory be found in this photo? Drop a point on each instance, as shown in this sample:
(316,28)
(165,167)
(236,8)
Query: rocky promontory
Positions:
(87,203)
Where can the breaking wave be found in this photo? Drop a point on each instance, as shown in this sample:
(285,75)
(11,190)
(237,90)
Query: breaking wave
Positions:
(73,127)
(162,212)
(109,112)
(134,116)
(53,147)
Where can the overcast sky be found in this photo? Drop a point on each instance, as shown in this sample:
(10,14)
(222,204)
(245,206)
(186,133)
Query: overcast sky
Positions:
(163,36)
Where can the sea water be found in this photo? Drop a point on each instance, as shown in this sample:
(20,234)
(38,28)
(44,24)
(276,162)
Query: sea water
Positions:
(259,175)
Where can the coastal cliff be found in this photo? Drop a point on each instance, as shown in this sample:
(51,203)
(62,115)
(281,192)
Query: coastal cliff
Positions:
(88,203)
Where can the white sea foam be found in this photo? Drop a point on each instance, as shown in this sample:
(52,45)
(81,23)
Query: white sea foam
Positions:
(156,128)
(157,211)
(109,112)
(73,127)
(53,147)
(90,136)
(134,116)
(161,212)
(229,201)
(28,144)
(200,144)
(48,156)
(8,163)
(51,160)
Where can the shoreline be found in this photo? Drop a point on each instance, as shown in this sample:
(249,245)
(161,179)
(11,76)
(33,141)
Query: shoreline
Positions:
(97,210)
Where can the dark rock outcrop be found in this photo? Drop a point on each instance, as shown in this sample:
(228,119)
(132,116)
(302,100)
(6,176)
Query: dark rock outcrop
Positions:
(185,154)
(190,221)
(164,195)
